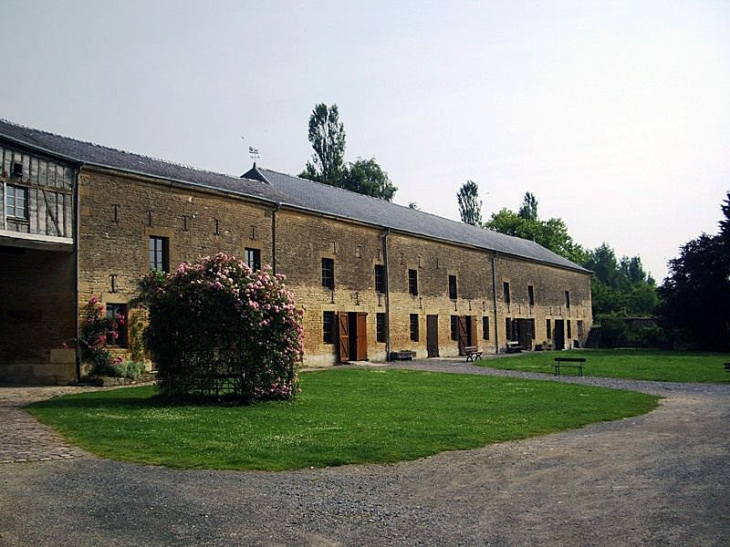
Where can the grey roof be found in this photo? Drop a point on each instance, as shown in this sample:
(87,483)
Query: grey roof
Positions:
(343,203)
(278,188)
(92,154)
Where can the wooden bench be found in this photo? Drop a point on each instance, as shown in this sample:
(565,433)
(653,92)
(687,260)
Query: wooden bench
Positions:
(573,362)
(472,353)
(402,355)
(513,346)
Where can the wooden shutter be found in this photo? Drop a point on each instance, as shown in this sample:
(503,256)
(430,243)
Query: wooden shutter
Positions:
(343,335)
(463,335)
(362,336)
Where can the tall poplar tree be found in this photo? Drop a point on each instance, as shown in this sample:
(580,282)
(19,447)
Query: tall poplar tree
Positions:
(470,206)
(327,137)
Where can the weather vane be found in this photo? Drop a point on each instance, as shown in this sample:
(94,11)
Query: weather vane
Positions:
(252,152)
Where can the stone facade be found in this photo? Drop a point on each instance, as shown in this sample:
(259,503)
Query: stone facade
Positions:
(369,290)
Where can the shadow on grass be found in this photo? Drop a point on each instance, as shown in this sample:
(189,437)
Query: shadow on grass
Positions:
(132,398)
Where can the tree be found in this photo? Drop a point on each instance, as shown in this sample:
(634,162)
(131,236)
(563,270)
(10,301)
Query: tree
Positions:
(528,210)
(696,294)
(620,287)
(551,234)
(327,136)
(368,178)
(470,206)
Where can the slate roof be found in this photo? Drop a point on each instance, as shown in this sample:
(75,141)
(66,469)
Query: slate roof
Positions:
(343,203)
(279,188)
(81,152)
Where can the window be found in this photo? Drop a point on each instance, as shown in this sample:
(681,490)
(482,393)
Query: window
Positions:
(380,327)
(117,335)
(531,295)
(380,278)
(16,202)
(570,334)
(506,293)
(414,327)
(253,258)
(159,254)
(508,328)
(549,329)
(413,282)
(454,327)
(328,327)
(579,326)
(485,327)
(567,300)
(452,287)
(17,169)
(328,273)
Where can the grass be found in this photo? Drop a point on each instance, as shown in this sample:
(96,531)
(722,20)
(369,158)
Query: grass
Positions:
(342,416)
(662,366)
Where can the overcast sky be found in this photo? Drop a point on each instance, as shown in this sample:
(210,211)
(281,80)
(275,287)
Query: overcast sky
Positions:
(616,115)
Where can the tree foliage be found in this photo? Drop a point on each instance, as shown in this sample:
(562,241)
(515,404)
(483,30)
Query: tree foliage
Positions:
(620,287)
(327,137)
(217,328)
(551,234)
(528,209)
(368,178)
(470,206)
(696,294)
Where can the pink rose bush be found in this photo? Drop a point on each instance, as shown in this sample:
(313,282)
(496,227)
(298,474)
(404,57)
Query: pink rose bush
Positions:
(97,332)
(219,329)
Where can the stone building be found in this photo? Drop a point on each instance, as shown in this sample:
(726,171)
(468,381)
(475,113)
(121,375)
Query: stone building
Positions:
(81,220)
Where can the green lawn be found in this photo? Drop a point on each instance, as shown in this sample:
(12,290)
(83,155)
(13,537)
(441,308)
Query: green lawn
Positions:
(663,366)
(342,416)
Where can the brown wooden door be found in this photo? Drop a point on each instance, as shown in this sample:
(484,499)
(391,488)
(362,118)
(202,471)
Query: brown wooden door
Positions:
(432,335)
(463,335)
(343,335)
(361,337)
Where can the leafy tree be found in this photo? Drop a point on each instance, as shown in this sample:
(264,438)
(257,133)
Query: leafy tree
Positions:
(528,210)
(327,136)
(620,287)
(470,206)
(696,295)
(551,234)
(368,178)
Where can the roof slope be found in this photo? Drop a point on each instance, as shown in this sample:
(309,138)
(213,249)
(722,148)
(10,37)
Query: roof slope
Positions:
(102,156)
(280,188)
(343,203)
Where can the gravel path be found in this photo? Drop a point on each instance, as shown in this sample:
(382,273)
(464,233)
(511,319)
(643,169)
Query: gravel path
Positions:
(658,479)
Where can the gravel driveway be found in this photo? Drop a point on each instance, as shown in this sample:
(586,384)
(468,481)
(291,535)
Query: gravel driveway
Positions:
(658,479)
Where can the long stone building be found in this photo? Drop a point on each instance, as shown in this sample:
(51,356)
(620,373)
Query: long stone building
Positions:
(81,220)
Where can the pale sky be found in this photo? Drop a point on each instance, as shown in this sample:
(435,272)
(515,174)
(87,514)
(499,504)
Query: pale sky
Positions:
(615,114)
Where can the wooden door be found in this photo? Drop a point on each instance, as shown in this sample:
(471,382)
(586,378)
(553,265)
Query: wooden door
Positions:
(361,336)
(432,335)
(343,335)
